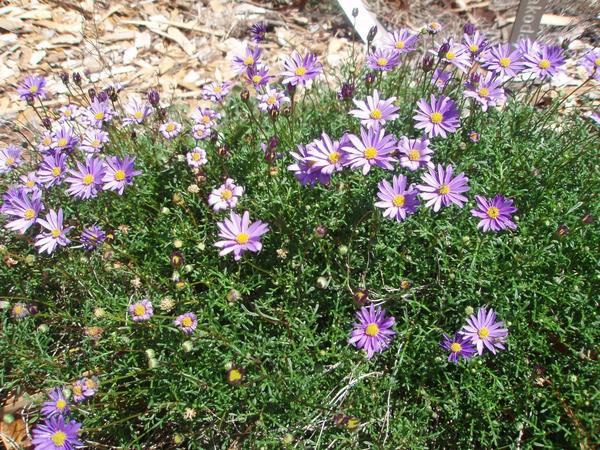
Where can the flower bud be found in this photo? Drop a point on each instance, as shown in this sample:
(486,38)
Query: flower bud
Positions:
(469,310)
(102,96)
(287,111)
(64,77)
(76,78)
(372,33)
(427,63)
(320,231)
(469,29)
(43,328)
(444,48)
(369,78)
(153,97)
(343,250)
(187,346)
(92,93)
(245,95)
(354,12)
(233,296)
(322,283)
(47,123)
(361,297)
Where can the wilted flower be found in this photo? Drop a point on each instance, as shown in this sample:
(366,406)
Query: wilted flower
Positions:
(474,136)
(240,235)
(440,189)
(483,330)
(166,304)
(372,332)
(141,311)
(437,118)
(19,310)
(495,214)
(458,346)
(372,148)
(235,376)
(226,196)
(434,27)
(300,70)
(396,200)
(187,322)
(56,234)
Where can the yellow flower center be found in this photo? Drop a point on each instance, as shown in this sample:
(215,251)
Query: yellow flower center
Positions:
(484,92)
(95,143)
(597,61)
(455,347)
(249,61)
(170,127)
(55,233)
(33,89)
(400,45)
(450,55)
(99,115)
(90,384)
(226,194)
(187,322)
(138,114)
(56,171)
(60,404)
(372,329)
(370,153)
(242,238)
(234,375)
(205,119)
(30,184)
(62,142)
(18,310)
(436,117)
(434,25)
(381,62)
(505,62)
(10,161)
(67,113)
(29,214)
(196,156)
(77,389)
(59,438)
(493,212)
(375,114)
(88,179)
(139,310)
(120,175)
(334,157)
(473,48)
(218,89)
(444,189)
(484,332)
(300,71)
(256,79)
(414,155)
(544,64)
(271,100)
(398,200)
(46,141)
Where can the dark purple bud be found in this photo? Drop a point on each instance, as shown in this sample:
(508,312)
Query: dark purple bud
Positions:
(133,135)
(320,231)
(469,29)
(355,12)
(443,50)
(47,123)
(223,151)
(291,88)
(64,77)
(287,111)
(30,100)
(562,231)
(76,78)
(372,34)
(588,218)
(273,142)
(474,78)
(153,97)
(361,296)
(162,114)
(102,96)
(346,92)
(370,78)
(273,113)
(92,93)
(427,63)
(24,144)
(245,95)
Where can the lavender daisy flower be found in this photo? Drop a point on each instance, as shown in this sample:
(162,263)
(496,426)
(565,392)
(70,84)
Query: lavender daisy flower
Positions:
(119,173)
(99,113)
(437,118)
(45,143)
(591,63)
(56,234)
(240,235)
(440,189)
(271,99)
(474,136)
(170,129)
(226,196)
(383,59)
(197,157)
(372,331)
(10,157)
(187,322)
(257,32)
(68,113)
(396,200)
(57,405)
(440,78)
(216,91)
(200,132)
(504,60)
(546,62)
(373,148)
(402,41)
(595,116)
(526,45)
(92,237)
(415,153)
(303,168)
(326,155)
(137,111)
(434,27)
(20,310)
(22,208)
(56,434)
(250,58)
(483,330)
(299,70)
(64,138)
(495,214)
(487,92)
(205,116)
(375,112)
(457,56)
(78,389)
(32,87)
(30,181)
(93,140)
(86,180)
(258,76)
(90,386)
(474,43)
(52,169)
(141,311)
(458,346)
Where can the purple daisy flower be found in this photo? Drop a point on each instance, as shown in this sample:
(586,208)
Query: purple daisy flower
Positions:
(57,405)
(495,213)
(257,32)
(240,235)
(326,155)
(458,346)
(170,129)
(10,157)
(78,389)
(92,237)
(591,63)
(487,91)
(56,234)
(258,76)
(226,196)
(64,138)
(137,111)
(141,311)
(45,143)
(483,330)
(396,200)
(86,180)
(440,78)
(271,99)
(68,113)
(216,91)
(372,332)
(32,87)
(402,41)
(56,434)
(186,322)
(20,310)
(456,55)
(23,209)
(250,58)
(526,45)
(415,153)
(383,59)
(93,140)
(474,43)
(52,169)
(437,118)
(303,167)
(595,116)
(119,173)
(434,27)
(201,133)
(205,116)
(373,148)
(197,157)
(504,60)
(98,113)
(440,189)
(375,111)
(474,136)
(30,182)
(299,70)
(546,62)
(90,386)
